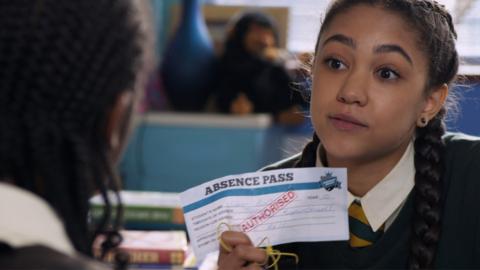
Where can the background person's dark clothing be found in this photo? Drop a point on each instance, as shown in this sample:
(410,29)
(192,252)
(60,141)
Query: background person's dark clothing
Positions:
(266,84)
(459,245)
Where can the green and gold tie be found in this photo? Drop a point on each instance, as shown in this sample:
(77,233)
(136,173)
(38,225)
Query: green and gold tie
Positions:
(361,234)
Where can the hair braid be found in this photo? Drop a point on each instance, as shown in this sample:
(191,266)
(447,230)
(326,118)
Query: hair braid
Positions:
(309,153)
(63,66)
(429,169)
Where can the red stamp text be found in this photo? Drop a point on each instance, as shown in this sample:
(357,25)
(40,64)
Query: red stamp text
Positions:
(268,212)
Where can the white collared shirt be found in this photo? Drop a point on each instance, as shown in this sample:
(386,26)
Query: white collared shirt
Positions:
(383,202)
(26,219)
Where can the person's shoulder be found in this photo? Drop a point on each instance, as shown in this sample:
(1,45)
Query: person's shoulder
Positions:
(462,161)
(283,164)
(458,137)
(42,257)
(462,144)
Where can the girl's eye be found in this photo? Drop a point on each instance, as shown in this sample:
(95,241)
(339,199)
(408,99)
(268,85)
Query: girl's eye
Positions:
(335,64)
(388,74)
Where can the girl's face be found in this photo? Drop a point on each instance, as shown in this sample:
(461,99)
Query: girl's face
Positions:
(258,39)
(368,86)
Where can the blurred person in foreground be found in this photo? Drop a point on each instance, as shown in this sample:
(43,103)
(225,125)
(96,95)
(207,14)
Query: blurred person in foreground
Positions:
(71,73)
(252,76)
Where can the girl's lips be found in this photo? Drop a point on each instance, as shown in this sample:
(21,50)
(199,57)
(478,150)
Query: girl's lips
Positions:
(346,122)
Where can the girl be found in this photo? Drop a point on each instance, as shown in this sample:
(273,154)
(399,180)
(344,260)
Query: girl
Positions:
(381,79)
(69,70)
(252,77)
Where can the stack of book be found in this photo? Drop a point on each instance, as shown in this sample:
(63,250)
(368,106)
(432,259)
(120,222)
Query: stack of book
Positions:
(149,249)
(144,210)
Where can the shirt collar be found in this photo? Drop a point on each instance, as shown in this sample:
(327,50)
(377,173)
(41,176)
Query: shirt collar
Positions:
(390,193)
(26,219)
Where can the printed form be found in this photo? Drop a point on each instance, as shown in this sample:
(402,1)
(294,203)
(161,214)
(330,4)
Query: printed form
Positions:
(283,206)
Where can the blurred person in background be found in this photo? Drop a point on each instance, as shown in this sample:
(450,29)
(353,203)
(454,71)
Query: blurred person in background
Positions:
(252,76)
(70,77)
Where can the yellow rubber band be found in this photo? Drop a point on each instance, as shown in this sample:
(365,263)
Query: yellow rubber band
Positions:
(273,254)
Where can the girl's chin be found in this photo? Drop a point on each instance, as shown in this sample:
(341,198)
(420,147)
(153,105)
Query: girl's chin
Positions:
(343,151)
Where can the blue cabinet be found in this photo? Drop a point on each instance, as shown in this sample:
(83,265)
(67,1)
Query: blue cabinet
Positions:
(172,151)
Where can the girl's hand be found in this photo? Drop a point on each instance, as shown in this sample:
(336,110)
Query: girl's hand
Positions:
(243,255)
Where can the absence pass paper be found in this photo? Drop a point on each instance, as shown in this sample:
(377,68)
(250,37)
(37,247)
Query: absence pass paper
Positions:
(288,205)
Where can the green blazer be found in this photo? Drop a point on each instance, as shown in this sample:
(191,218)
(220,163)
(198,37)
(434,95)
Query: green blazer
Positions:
(459,244)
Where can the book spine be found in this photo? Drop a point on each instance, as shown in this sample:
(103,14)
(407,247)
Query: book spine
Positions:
(142,214)
(139,256)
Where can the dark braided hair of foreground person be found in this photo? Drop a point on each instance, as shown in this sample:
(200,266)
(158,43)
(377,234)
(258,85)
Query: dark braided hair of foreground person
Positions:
(436,37)
(63,64)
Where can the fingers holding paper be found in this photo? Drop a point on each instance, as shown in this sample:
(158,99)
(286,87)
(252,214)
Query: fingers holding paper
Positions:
(238,252)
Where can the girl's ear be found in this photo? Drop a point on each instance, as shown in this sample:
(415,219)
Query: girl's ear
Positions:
(118,123)
(433,104)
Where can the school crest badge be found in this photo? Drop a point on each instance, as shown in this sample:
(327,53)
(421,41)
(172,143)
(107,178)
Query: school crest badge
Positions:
(329,182)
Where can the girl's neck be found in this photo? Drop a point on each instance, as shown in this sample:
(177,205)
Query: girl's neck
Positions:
(364,175)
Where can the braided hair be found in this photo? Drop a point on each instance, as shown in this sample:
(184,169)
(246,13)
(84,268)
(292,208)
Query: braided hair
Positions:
(436,38)
(64,63)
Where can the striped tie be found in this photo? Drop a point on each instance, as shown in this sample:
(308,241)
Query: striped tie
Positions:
(361,234)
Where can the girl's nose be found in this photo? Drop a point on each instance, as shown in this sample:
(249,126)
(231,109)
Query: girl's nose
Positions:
(354,89)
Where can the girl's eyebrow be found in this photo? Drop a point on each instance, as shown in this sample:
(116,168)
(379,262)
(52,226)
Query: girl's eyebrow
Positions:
(342,39)
(384,48)
(388,48)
